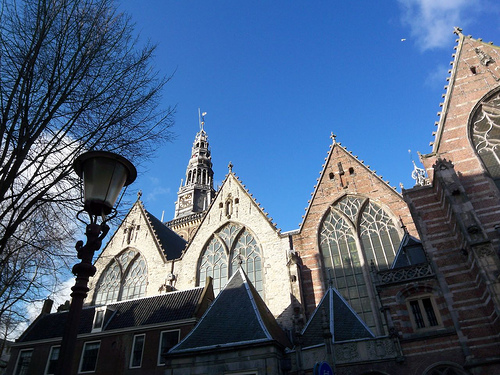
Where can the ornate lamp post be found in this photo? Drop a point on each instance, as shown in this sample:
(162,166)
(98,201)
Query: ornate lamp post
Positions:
(104,175)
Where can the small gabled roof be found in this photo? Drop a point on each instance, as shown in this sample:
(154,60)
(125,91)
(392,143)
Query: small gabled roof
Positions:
(166,308)
(343,322)
(171,243)
(238,316)
(410,252)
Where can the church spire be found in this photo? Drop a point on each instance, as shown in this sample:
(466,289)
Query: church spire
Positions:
(197,190)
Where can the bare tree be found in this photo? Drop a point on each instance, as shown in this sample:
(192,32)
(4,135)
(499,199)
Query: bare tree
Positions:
(72,78)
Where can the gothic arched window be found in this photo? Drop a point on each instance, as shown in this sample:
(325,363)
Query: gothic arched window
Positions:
(214,264)
(124,278)
(485,134)
(354,234)
(445,369)
(231,246)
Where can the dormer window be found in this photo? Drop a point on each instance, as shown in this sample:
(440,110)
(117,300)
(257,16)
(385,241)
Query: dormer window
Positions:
(98,319)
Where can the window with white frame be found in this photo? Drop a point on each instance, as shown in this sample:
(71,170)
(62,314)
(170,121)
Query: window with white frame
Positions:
(52,360)
(168,339)
(90,353)
(423,313)
(98,319)
(137,351)
(23,362)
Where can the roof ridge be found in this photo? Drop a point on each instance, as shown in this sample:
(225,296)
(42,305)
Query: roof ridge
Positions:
(259,326)
(151,226)
(156,225)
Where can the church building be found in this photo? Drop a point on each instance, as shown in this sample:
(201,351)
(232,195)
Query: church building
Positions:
(374,281)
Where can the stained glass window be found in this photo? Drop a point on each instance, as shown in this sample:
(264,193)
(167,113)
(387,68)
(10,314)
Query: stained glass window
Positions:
(354,232)
(125,278)
(231,246)
(485,134)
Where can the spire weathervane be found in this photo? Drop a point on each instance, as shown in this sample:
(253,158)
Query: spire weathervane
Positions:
(201,118)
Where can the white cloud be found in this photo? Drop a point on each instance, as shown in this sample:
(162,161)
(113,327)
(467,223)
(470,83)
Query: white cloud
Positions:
(33,309)
(432,21)
(153,195)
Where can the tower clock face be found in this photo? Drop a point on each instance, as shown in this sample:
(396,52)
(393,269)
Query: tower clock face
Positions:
(185,201)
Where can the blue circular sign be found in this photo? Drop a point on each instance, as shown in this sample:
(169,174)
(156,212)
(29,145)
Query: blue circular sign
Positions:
(323,368)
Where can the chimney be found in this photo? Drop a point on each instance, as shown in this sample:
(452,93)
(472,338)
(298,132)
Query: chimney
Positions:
(47,306)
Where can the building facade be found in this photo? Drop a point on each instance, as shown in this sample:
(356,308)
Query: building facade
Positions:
(372,282)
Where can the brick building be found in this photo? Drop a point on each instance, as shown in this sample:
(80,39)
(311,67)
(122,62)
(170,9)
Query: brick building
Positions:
(373,281)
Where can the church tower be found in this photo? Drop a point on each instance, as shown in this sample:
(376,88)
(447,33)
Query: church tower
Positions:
(197,190)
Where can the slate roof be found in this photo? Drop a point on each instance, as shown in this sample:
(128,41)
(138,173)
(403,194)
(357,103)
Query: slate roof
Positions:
(238,316)
(171,243)
(166,308)
(343,322)
(410,252)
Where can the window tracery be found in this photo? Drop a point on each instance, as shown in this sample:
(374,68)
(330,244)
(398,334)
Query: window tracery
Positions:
(485,134)
(214,264)
(354,233)
(125,278)
(231,247)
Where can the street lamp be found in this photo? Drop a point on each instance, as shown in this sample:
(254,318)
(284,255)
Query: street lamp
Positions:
(104,175)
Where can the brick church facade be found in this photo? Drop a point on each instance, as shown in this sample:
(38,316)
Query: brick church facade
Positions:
(374,281)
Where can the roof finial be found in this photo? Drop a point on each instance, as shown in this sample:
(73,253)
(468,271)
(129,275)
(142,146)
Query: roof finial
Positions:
(230,167)
(418,174)
(201,119)
(333,137)
(403,226)
(457,30)
(139,195)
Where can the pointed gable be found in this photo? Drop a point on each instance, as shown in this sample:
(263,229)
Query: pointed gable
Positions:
(238,316)
(344,173)
(335,315)
(134,261)
(237,232)
(345,179)
(475,74)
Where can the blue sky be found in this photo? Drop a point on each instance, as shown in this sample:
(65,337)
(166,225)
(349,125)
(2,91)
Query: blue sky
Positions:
(277,77)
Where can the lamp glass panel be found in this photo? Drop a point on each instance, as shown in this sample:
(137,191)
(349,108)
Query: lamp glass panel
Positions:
(104,178)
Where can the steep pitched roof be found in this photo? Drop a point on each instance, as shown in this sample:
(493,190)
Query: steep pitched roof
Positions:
(171,243)
(343,323)
(166,308)
(238,316)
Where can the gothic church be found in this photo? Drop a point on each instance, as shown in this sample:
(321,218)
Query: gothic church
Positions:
(372,282)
